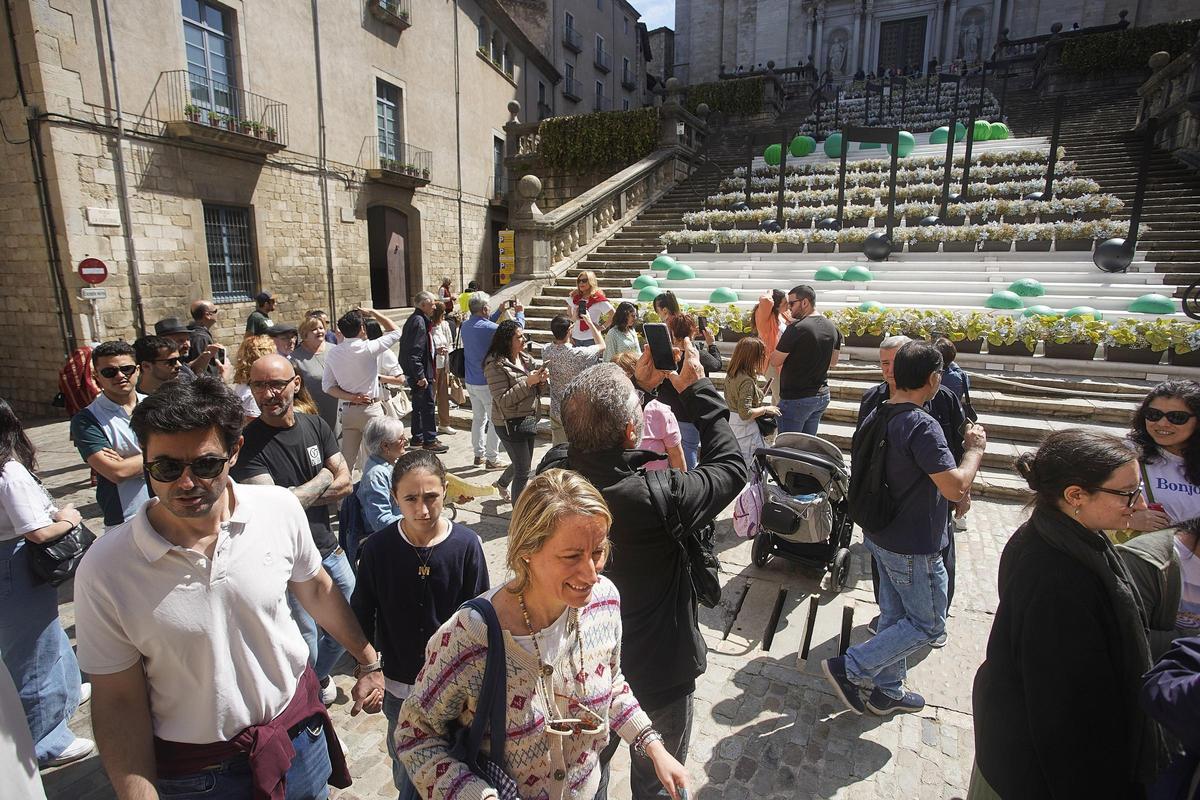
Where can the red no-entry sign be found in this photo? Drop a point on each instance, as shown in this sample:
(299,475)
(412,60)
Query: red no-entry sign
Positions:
(93,270)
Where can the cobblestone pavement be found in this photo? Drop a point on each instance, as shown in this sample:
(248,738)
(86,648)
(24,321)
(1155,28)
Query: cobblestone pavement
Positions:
(766,725)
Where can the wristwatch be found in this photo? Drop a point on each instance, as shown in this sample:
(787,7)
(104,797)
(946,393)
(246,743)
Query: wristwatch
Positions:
(367,669)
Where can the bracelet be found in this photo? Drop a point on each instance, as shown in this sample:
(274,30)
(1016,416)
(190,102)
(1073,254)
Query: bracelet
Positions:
(647,737)
(367,669)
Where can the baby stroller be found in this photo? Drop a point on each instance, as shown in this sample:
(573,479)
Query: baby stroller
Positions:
(805,516)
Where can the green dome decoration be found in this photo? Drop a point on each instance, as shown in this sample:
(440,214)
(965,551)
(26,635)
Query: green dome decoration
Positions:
(833,145)
(858,274)
(1004,299)
(680,272)
(907,143)
(1153,304)
(648,293)
(983,130)
(642,281)
(960,131)
(869,145)
(940,135)
(772,154)
(723,294)
(999,131)
(871,305)
(802,146)
(1027,287)
(1041,311)
(1084,311)
(663,262)
(828,273)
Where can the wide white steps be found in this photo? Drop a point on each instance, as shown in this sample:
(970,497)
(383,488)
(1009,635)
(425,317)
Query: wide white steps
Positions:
(906,281)
(923,148)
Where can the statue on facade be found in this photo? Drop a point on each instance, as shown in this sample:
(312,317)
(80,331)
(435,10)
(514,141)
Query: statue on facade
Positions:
(971,40)
(836,60)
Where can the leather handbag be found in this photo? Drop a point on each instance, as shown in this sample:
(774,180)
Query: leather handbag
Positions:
(768,424)
(456,360)
(55,561)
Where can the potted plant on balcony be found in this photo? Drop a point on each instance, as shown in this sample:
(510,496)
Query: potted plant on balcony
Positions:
(1073,337)
(1014,336)
(215,118)
(243,126)
(1127,341)
(191,113)
(1034,238)
(257,128)
(270,132)
(425,173)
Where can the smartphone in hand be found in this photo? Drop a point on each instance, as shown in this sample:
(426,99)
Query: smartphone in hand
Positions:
(659,339)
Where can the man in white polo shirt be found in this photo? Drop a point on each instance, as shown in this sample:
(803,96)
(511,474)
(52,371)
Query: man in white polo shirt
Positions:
(200,676)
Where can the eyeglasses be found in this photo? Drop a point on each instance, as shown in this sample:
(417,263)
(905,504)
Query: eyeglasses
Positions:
(275,387)
(173,361)
(1130,496)
(569,726)
(1173,417)
(125,369)
(168,470)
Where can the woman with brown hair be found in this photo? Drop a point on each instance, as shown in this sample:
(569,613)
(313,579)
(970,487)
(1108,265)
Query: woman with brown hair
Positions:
(744,396)
(771,318)
(439,330)
(590,325)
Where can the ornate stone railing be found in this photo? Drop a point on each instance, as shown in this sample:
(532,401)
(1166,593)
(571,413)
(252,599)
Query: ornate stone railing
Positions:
(1172,95)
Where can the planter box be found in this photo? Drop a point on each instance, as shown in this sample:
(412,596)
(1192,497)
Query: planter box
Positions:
(820,247)
(738,247)
(800,224)
(1014,349)
(969,345)
(1063,245)
(679,248)
(995,245)
(750,225)
(863,340)
(959,220)
(721,226)
(1075,350)
(1191,359)
(923,247)
(1091,216)
(1033,246)
(861,222)
(1132,355)
(1053,217)
(704,248)
(1018,219)
(958,247)
(789,247)
(760,247)
(726,335)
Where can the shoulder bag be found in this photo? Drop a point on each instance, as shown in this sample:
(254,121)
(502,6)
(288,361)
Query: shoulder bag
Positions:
(456,360)
(55,561)
(696,546)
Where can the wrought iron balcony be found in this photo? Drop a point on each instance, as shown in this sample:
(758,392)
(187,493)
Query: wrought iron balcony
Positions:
(395,163)
(572,40)
(397,13)
(603,61)
(571,89)
(195,108)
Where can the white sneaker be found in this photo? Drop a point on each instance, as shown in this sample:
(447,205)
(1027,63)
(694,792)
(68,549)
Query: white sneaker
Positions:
(85,693)
(328,692)
(80,748)
(446,430)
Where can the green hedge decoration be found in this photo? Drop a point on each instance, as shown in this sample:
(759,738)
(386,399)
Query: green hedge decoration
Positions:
(983,130)
(960,131)
(739,98)
(588,142)
(858,274)
(1004,299)
(802,146)
(833,145)
(906,145)
(871,305)
(642,281)
(869,145)
(1129,49)
(723,294)
(1027,287)
(680,272)
(648,293)
(1041,311)
(772,154)
(1153,304)
(663,262)
(999,131)
(1084,311)
(940,135)
(828,273)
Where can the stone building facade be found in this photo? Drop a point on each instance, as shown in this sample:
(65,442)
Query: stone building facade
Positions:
(845,36)
(352,157)
(662,54)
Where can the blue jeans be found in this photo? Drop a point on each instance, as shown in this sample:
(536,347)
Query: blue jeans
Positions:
(690,436)
(803,414)
(307,777)
(391,710)
(323,649)
(674,722)
(912,613)
(36,651)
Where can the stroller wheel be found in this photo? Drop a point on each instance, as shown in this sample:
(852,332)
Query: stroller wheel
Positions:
(839,571)
(761,550)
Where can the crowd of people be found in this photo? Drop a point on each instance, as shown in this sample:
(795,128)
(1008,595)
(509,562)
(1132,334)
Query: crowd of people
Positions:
(268,515)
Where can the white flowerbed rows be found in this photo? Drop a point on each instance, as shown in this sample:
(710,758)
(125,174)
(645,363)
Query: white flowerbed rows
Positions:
(987,158)
(863,195)
(992,174)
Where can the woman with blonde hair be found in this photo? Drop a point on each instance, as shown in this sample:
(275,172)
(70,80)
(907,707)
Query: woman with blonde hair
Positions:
(744,396)
(251,349)
(309,360)
(565,689)
(590,311)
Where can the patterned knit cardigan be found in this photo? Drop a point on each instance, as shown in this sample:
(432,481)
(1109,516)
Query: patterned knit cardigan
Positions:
(543,765)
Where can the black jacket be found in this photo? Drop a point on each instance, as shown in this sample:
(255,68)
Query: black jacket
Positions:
(416,348)
(944,407)
(662,649)
(710,360)
(1153,566)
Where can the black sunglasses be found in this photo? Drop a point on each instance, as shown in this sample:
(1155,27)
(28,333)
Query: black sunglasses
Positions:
(125,369)
(173,361)
(168,470)
(1173,417)
(1130,496)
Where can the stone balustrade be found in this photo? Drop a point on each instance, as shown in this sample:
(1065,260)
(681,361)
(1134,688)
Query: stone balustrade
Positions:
(1172,96)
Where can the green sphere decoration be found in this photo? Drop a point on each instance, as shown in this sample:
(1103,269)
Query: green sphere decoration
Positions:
(1153,304)
(642,281)
(940,135)
(1004,299)
(871,305)
(1084,311)
(723,294)
(858,274)
(960,131)
(648,293)
(772,154)
(680,272)
(1027,287)
(802,146)
(828,273)
(999,131)
(907,143)
(869,145)
(1041,311)
(663,262)
(983,130)
(833,145)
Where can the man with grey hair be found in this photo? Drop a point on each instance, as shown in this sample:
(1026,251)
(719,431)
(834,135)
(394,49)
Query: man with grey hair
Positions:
(477,332)
(416,360)
(662,649)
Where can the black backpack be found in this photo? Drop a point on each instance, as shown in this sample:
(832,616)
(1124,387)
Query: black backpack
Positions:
(872,506)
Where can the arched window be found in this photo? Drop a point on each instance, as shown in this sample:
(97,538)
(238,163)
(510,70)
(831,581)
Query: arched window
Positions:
(507,63)
(483,34)
(496,47)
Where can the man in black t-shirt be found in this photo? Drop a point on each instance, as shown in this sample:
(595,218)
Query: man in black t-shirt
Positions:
(807,349)
(284,447)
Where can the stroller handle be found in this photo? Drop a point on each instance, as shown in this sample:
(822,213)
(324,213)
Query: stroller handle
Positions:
(807,458)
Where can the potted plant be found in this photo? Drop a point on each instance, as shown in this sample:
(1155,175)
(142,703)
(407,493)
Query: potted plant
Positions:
(913,213)
(862,328)
(425,173)
(720,220)
(791,240)
(1076,236)
(1127,342)
(1185,344)
(923,239)
(732,242)
(733,323)
(997,237)
(967,331)
(856,216)
(1013,336)
(270,132)
(704,242)
(257,127)
(1035,238)
(215,118)
(245,126)
(676,242)
(1019,212)
(191,113)
(1073,337)
(822,241)
(958,238)
(760,242)
(850,240)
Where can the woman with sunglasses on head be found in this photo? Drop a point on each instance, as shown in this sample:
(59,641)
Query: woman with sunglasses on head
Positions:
(565,688)
(1055,702)
(412,576)
(589,309)
(33,645)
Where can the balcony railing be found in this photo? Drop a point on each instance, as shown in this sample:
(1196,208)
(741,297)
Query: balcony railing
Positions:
(603,61)
(397,13)
(393,162)
(572,40)
(628,82)
(497,189)
(571,89)
(544,111)
(196,108)
(602,103)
